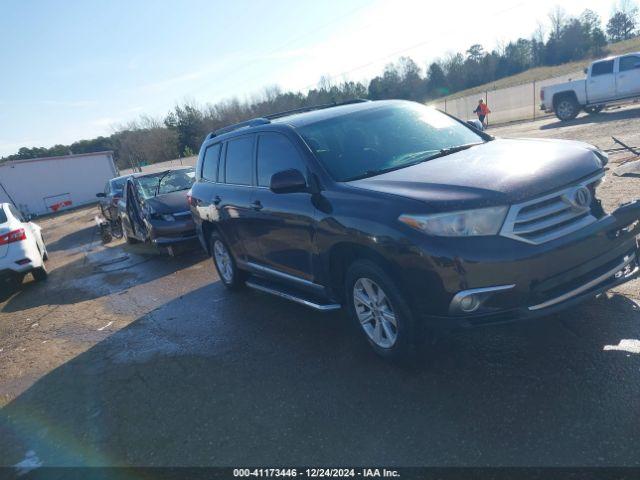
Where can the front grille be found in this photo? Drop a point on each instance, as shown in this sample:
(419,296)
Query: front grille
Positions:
(555,215)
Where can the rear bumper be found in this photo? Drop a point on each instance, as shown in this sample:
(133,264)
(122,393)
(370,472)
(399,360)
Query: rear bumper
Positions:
(171,233)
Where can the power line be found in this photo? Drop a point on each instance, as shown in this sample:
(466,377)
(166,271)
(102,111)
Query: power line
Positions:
(289,42)
(402,50)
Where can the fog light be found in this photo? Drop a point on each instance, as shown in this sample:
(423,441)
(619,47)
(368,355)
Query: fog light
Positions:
(469,303)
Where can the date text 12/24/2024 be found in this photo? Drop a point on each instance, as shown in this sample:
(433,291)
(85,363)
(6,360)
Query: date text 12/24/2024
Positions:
(316,472)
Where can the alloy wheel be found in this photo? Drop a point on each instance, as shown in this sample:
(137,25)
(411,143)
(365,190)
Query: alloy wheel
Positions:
(223,261)
(565,109)
(375,313)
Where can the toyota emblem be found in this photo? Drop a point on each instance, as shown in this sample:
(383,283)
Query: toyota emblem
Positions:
(581,197)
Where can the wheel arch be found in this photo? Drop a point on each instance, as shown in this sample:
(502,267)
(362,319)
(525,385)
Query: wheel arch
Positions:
(564,94)
(342,254)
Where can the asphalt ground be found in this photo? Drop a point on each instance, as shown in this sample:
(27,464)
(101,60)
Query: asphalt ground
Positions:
(129,357)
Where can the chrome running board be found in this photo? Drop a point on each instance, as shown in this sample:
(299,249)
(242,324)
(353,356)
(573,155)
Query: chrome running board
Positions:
(328,307)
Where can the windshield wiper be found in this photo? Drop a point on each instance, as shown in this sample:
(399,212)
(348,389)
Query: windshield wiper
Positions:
(449,150)
(439,153)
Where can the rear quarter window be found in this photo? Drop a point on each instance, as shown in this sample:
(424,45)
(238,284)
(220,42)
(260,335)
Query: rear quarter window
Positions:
(210,162)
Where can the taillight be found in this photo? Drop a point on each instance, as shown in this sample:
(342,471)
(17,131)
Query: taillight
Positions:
(13,236)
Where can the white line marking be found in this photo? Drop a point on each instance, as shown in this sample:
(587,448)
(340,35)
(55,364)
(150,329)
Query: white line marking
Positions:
(106,326)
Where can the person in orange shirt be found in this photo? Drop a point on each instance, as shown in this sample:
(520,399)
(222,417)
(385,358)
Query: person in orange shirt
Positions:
(482,111)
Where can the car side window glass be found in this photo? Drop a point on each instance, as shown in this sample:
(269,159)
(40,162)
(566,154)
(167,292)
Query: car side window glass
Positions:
(275,154)
(629,63)
(238,161)
(3,216)
(210,162)
(602,68)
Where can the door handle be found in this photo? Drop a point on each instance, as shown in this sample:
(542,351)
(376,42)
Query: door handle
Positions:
(257,205)
(217,200)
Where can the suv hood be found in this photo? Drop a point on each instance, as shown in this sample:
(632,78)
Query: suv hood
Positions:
(499,172)
(173,202)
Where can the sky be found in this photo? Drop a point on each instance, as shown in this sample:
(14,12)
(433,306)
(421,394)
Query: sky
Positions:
(77,69)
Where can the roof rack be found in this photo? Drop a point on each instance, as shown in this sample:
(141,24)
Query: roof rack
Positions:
(254,122)
(315,107)
(267,118)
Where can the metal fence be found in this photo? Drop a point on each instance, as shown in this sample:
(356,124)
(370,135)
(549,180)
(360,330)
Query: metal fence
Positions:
(521,102)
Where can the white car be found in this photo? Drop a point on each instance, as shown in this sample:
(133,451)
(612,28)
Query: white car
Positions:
(22,248)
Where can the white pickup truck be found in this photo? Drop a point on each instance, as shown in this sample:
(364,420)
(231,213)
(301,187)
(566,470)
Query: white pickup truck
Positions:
(609,80)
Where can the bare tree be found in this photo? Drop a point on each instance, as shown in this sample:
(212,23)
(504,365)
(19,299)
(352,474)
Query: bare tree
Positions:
(558,19)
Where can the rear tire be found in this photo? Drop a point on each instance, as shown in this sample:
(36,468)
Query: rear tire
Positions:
(381,312)
(40,274)
(230,275)
(567,108)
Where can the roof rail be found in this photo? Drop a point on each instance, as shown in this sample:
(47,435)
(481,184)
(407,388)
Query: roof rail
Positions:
(315,107)
(267,118)
(254,122)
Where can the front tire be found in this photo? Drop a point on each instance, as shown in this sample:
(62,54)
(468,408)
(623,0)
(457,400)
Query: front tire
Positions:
(128,239)
(567,109)
(231,276)
(381,312)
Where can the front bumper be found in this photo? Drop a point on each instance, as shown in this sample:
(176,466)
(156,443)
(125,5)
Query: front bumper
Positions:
(625,270)
(530,280)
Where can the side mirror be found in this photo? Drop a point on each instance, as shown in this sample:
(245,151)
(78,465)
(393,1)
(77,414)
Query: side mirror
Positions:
(288,181)
(586,70)
(28,217)
(101,195)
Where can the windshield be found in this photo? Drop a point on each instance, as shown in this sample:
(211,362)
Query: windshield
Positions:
(117,184)
(166,182)
(368,142)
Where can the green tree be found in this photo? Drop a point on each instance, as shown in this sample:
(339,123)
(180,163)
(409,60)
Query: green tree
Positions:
(621,26)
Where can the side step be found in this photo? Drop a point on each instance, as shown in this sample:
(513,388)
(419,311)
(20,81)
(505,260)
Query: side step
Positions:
(292,295)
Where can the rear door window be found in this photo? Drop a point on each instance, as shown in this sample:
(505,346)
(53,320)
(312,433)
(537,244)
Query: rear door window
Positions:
(210,162)
(239,160)
(629,62)
(275,154)
(602,68)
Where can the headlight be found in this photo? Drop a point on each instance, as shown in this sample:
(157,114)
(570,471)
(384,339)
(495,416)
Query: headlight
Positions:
(467,223)
(602,156)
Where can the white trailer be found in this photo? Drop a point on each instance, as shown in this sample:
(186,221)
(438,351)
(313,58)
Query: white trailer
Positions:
(39,186)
